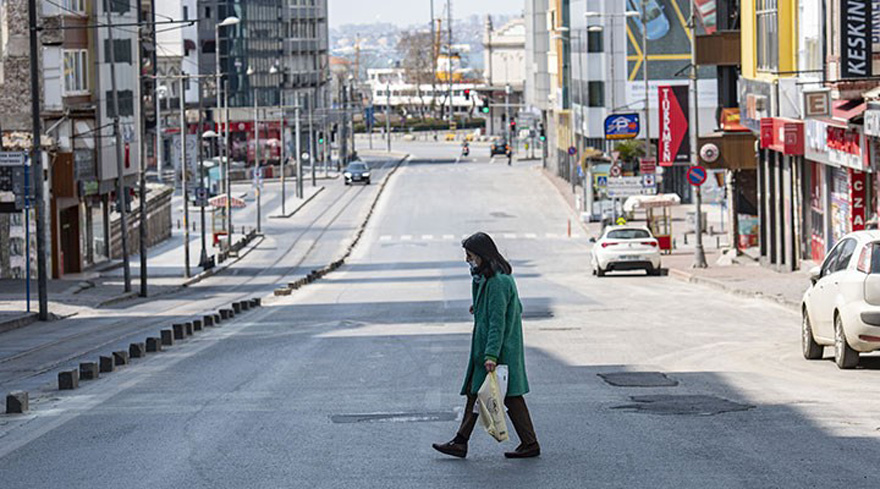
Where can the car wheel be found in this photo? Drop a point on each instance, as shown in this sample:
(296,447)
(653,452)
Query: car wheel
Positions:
(654,272)
(600,272)
(811,349)
(368,181)
(844,356)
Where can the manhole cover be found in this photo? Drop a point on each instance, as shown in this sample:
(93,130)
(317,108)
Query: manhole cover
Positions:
(393,417)
(684,405)
(638,379)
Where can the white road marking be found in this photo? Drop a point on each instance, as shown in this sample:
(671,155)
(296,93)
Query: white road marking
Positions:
(427,237)
(531,235)
(406,237)
(509,236)
(385,238)
(551,235)
(448,236)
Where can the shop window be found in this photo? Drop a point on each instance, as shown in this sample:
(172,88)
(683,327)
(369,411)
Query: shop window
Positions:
(767,23)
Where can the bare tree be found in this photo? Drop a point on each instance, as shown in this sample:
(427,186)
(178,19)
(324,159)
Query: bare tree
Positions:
(417,60)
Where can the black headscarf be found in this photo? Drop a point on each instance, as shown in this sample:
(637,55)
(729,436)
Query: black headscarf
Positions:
(491,261)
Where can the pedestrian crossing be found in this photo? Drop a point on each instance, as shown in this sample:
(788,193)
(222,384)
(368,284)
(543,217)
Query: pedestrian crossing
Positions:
(501,237)
(439,169)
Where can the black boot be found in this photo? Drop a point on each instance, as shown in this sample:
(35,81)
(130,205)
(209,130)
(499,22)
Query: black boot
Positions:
(525,451)
(457,447)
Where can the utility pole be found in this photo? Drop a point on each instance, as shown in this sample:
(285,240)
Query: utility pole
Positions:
(699,253)
(312,160)
(449,59)
(120,167)
(283,159)
(203,259)
(299,174)
(184,169)
(37,163)
(343,148)
(142,153)
(228,162)
(388,117)
(648,147)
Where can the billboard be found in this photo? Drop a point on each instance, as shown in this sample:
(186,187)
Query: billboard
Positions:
(674,144)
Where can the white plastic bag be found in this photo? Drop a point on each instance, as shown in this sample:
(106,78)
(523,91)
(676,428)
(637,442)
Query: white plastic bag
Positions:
(502,373)
(490,401)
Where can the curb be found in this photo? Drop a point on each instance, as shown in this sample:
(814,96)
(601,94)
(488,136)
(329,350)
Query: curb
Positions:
(333,266)
(717,284)
(300,206)
(572,211)
(19,322)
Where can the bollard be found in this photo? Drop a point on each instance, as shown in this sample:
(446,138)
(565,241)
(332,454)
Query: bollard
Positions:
(188,328)
(217,319)
(107,364)
(236,307)
(224,313)
(17,402)
(255,303)
(179,331)
(137,350)
(209,319)
(68,380)
(120,358)
(245,305)
(154,345)
(197,324)
(88,370)
(167,337)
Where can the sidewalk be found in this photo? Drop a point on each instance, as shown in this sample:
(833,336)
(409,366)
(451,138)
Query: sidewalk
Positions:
(103,285)
(744,277)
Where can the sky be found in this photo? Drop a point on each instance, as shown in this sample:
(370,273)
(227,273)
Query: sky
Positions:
(408,12)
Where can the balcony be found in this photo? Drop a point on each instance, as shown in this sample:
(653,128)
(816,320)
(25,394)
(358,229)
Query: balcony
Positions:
(719,49)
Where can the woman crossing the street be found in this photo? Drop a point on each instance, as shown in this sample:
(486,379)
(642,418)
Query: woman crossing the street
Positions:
(497,339)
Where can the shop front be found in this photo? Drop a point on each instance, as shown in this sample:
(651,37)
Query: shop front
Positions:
(780,177)
(837,155)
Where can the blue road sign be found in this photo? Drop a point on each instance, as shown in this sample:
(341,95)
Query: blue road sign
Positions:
(602,181)
(622,126)
(696,176)
(572,151)
(370,115)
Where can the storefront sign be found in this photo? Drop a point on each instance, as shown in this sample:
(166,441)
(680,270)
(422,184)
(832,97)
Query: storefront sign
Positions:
(872,123)
(856,47)
(755,101)
(834,145)
(730,120)
(857,184)
(674,145)
(817,103)
(785,136)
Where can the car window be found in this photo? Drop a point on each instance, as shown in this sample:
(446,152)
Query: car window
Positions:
(847,250)
(864,263)
(828,267)
(875,257)
(628,234)
(357,166)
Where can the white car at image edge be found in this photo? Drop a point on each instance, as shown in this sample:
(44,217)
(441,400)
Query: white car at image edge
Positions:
(842,306)
(624,248)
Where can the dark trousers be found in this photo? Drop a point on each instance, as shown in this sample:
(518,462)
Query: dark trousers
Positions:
(517,411)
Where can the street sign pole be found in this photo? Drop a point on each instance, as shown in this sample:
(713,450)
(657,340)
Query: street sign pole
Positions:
(27,236)
(699,253)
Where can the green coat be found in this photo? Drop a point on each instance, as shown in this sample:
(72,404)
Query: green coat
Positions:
(497,334)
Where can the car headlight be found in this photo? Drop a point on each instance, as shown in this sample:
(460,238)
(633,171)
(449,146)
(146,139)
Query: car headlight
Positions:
(366,174)
(347,174)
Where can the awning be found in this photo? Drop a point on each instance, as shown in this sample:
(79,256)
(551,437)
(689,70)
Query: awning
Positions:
(847,110)
(220,202)
(642,202)
(736,150)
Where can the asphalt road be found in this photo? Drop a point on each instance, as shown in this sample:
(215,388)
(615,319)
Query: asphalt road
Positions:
(347,382)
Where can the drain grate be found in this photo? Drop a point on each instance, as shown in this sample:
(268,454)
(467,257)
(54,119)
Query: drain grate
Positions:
(393,417)
(638,379)
(695,405)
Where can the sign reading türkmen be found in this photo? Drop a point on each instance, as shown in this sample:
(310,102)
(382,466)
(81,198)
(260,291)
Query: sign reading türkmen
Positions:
(674,145)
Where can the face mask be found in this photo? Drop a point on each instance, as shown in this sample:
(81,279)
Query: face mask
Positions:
(473,267)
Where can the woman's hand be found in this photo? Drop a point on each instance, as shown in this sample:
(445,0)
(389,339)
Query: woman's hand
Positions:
(471,309)
(490,365)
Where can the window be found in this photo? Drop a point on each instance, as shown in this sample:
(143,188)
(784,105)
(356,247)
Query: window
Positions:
(186,12)
(629,234)
(122,53)
(596,94)
(76,71)
(864,264)
(768,34)
(595,42)
(126,103)
(71,6)
(117,6)
(839,257)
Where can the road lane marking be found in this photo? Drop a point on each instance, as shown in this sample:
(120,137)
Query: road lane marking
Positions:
(427,237)
(509,236)
(448,237)
(531,235)
(385,238)
(406,237)
(551,235)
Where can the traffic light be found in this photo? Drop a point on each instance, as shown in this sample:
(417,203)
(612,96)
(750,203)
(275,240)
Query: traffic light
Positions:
(513,125)
(542,134)
(467,93)
(485,108)
(320,137)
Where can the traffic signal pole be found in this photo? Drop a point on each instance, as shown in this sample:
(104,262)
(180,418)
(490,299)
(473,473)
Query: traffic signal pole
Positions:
(37,165)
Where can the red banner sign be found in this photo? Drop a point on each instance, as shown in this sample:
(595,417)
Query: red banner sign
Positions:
(785,136)
(674,145)
(857,184)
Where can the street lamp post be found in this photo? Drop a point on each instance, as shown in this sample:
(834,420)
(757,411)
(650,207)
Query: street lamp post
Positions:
(228,21)
(184,169)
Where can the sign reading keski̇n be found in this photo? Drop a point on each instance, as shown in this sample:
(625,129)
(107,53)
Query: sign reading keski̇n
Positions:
(856,29)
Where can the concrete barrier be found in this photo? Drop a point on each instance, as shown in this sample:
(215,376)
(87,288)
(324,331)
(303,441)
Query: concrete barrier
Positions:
(121,357)
(137,350)
(236,306)
(253,303)
(226,314)
(68,380)
(197,325)
(188,328)
(208,319)
(217,319)
(88,371)
(281,291)
(167,337)
(154,345)
(17,402)
(107,364)
(256,302)
(245,305)
(179,331)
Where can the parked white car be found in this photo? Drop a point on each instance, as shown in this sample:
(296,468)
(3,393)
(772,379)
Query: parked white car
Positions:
(842,307)
(626,248)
